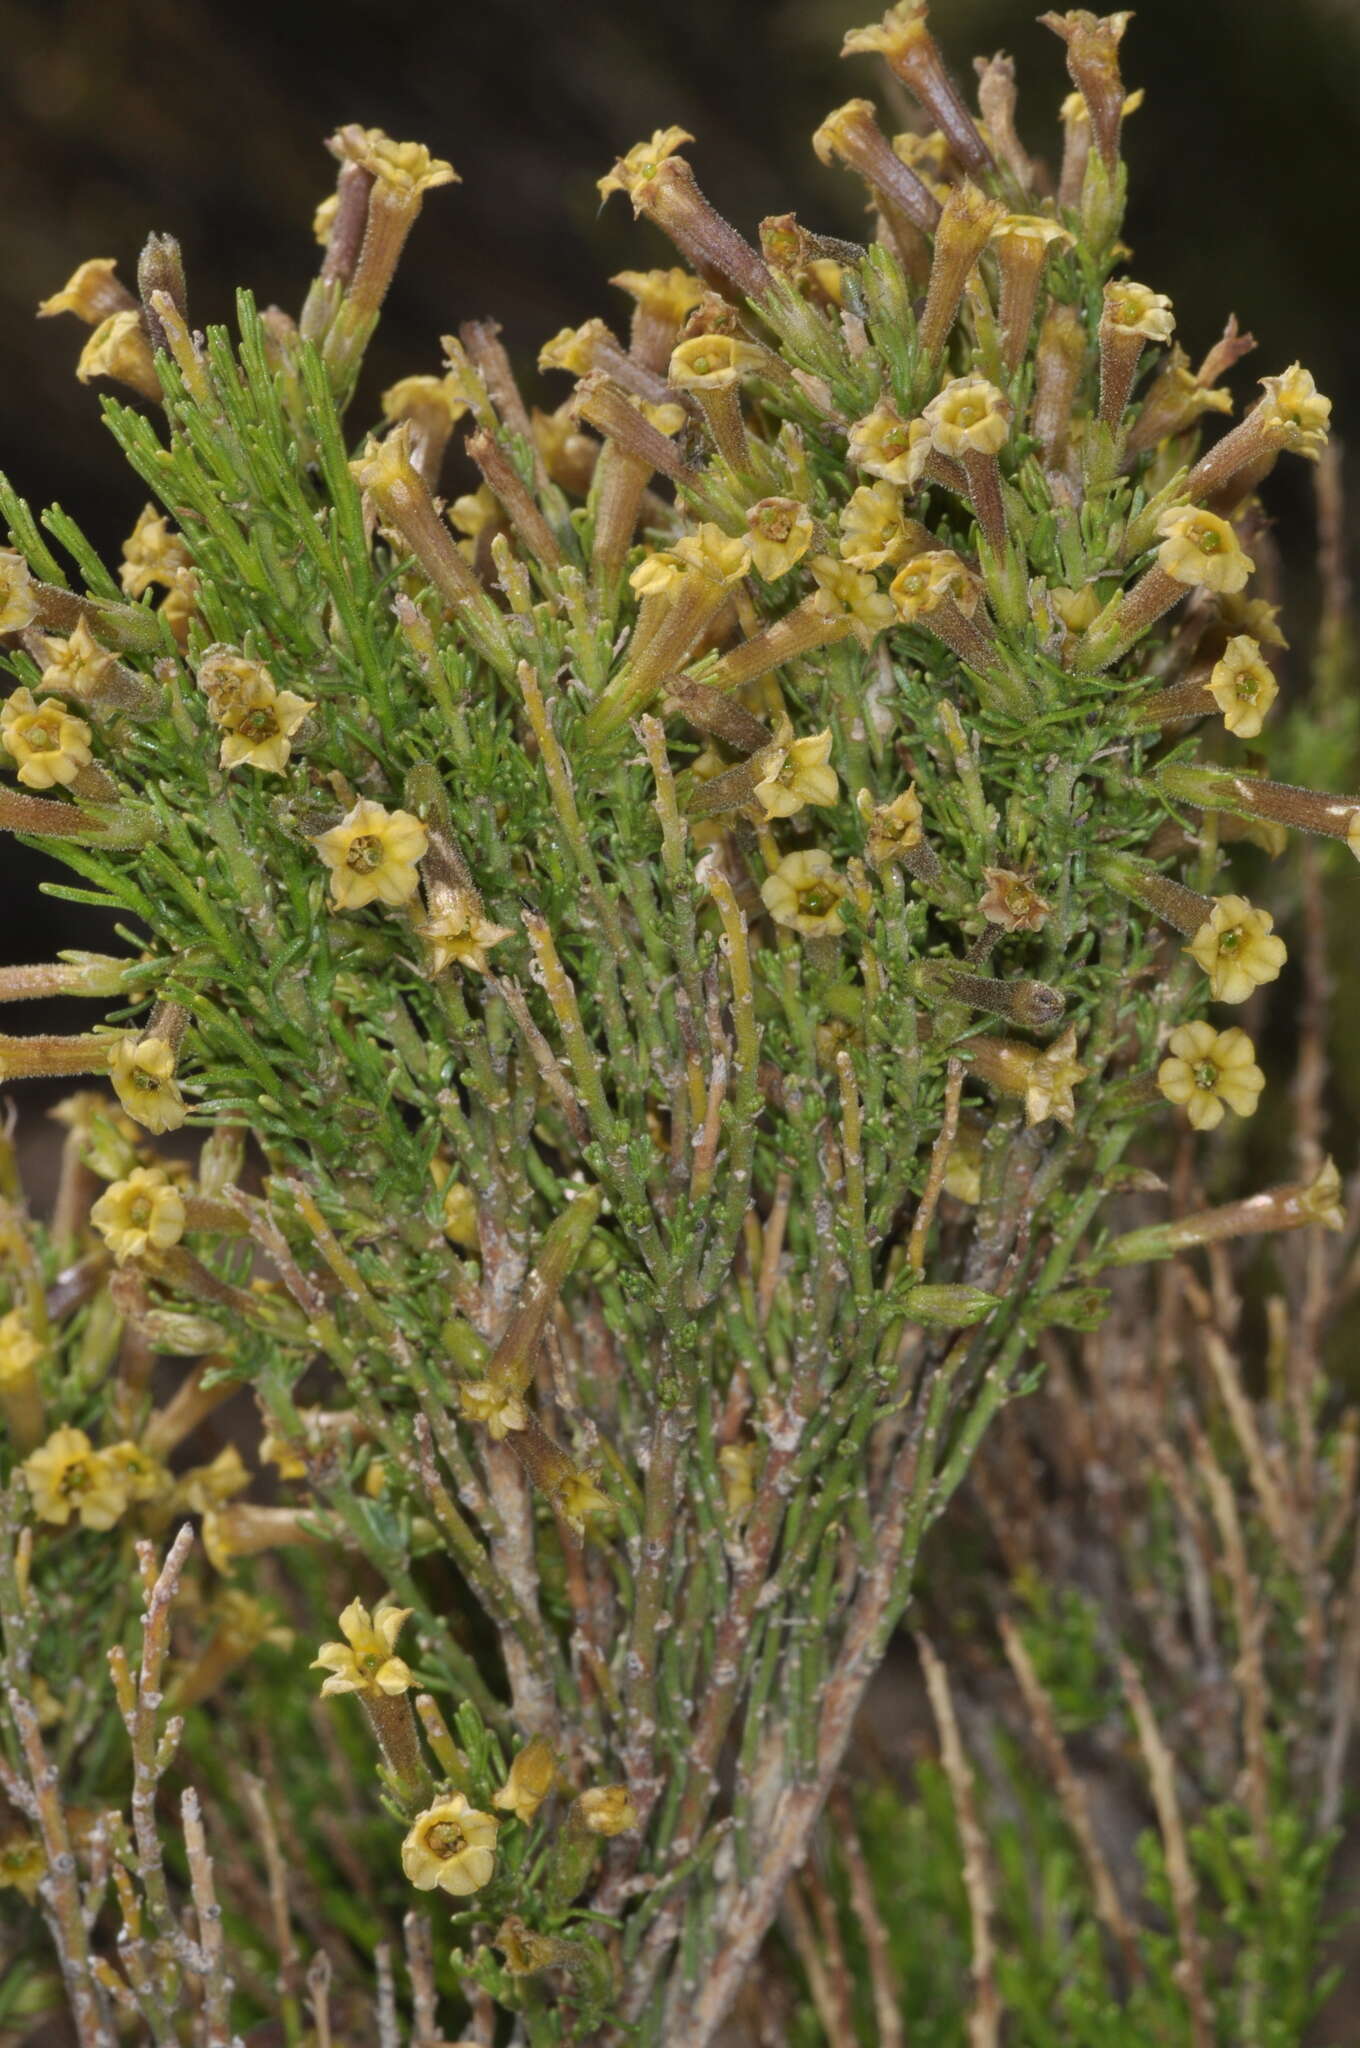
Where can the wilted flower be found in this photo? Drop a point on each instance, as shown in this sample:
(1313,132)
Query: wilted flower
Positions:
(532,1776)
(499,1410)
(1210,1071)
(451,1845)
(366,1661)
(1012,901)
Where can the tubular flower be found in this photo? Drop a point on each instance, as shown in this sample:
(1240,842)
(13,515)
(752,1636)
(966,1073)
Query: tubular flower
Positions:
(667,295)
(844,590)
(66,1476)
(873,530)
(77,665)
(798,772)
(893,828)
(1242,686)
(47,743)
(779,532)
(372,855)
(258,729)
(881,443)
(119,349)
(1236,948)
(1200,548)
(366,1661)
(143,1074)
(1210,1071)
(143,1212)
(452,1846)
(1133,309)
(532,1776)
(642,162)
(18,605)
(968,416)
(151,554)
(91,292)
(805,893)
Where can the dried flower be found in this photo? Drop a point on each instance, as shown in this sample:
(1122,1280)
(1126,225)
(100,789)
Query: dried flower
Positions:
(143,1074)
(1200,548)
(66,1476)
(1236,949)
(804,893)
(532,1776)
(893,828)
(372,855)
(49,745)
(144,1212)
(497,1409)
(797,772)
(451,1845)
(1210,1071)
(366,1661)
(1012,901)
(1242,686)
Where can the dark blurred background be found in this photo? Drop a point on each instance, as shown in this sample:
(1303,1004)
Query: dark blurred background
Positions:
(206,120)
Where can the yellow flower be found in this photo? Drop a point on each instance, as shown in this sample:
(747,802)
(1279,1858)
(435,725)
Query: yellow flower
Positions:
(278,1451)
(577,1498)
(574,348)
(1353,835)
(205,1487)
(257,731)
(91,292)
(968,416)
(608,1810)
(797,773)
(365,1661)
(1210,1071)
(1052,1076)
(1137,310)
(497,1410)
(872,528)
(151,554)
(1236,949)
(450,1845)
(894,828)
(531,1779)
(18,605)
(736,1462)
(19,1349)
(664,294)
(1295,407)
(779,531)
(457,931)
(881,443)
(245,1622)
(1012,901)
(66,1476)
(143,1476)
(372,855)
(923,584)
(475,511)
(1034,228)
(723,558)
(712,362)
(642,162)
(804,893)
(118,348)
(143,1212)
(75,666)
(405,169)
(180,604)
(1199,547)
(22,1863)
(49,745)
(1242,686)
(843,589)
(899,28)
(323,220)
(1321,1199)
(143,1074)
(963,1173)
(421,398)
